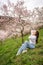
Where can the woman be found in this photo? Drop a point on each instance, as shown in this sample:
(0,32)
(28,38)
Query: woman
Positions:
(28,44)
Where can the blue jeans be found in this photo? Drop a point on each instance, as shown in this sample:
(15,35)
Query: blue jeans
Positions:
(25,45)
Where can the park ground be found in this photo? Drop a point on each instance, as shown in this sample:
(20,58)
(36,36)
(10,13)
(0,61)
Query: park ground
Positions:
(9,48)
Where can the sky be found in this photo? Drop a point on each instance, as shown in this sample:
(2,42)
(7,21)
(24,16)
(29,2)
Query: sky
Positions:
(30,4)
(33,3)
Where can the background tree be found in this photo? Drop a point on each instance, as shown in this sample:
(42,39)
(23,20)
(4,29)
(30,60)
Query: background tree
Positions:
(17,11)
(21,12)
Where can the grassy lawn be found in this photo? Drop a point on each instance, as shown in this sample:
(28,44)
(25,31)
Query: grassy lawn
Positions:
(9,48)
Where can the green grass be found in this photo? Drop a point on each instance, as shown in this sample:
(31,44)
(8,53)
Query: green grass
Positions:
(9,48)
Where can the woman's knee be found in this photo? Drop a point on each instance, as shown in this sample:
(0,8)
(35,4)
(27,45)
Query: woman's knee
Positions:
(32,47)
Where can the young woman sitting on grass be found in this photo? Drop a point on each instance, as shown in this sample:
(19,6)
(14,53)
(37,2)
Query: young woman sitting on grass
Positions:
(33,39)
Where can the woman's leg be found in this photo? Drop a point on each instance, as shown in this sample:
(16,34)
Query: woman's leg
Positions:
(31,46)
(23,47)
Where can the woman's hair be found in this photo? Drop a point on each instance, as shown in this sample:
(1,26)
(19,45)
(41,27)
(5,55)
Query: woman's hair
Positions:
(37,36)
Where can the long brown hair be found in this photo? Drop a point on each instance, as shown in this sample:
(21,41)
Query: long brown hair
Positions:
(37,36)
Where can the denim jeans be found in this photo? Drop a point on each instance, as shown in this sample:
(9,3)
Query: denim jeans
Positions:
(24,46)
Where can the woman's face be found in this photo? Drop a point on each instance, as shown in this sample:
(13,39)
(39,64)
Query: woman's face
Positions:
(33,32)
